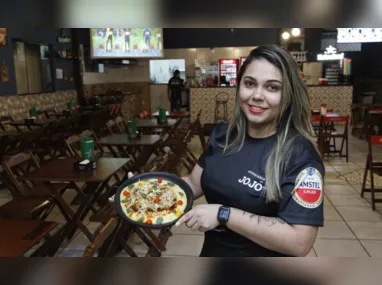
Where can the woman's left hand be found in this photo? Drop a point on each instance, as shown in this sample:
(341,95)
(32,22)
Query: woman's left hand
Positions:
(201,218)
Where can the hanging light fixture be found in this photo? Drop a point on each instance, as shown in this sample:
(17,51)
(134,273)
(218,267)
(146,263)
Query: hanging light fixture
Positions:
(296,32)
(286,36)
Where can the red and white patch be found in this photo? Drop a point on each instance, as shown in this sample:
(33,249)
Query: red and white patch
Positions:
(308,190)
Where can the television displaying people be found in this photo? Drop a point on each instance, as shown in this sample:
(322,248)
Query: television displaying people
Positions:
(127,42)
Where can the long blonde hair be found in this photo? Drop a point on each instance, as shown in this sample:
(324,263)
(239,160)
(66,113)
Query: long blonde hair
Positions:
(293,120)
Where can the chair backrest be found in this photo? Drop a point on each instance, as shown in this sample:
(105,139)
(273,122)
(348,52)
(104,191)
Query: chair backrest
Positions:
(336,119)
(101,237)
(73,144)
(16,166)
(222,97)
(373,141)
(4,122)
(376,140)
(316,118)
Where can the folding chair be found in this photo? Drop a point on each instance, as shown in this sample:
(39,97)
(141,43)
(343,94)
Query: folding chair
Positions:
(375,168)
(328,134)
(31,201)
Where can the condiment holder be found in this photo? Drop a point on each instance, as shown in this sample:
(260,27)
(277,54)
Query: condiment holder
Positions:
(85,165)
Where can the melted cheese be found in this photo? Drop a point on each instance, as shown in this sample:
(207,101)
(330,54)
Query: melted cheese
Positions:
(153,201)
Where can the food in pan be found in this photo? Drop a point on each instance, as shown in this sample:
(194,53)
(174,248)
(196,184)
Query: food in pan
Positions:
(153,201)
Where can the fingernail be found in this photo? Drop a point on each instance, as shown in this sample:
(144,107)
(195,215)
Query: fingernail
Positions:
(177,224)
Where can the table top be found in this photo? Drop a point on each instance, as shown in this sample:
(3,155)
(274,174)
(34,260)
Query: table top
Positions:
(63,170)
(8,133)
(173,114)
(123,140)
(12,239)
(360,105)
(37,122)
(153,123)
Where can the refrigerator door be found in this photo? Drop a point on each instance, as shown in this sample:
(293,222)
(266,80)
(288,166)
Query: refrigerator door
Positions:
(312,72)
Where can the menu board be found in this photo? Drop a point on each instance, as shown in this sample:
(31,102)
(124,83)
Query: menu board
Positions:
(162,70)
(359,35)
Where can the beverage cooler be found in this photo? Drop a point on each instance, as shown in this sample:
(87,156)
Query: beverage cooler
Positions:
(228,70)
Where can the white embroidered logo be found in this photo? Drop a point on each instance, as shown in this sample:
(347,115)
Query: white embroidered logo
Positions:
(256,182)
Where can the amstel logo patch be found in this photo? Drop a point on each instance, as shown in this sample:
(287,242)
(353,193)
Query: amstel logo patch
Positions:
(308,190)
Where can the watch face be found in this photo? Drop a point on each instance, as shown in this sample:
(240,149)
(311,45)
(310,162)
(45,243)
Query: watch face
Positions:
(223,215)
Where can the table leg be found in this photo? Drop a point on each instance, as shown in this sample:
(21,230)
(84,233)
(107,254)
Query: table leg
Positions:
(93,191)
(116,239)
(69,212)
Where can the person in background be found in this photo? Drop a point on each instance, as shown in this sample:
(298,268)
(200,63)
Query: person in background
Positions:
(147,39)
(174,91)
(109,35)
(127,32)
(262,174)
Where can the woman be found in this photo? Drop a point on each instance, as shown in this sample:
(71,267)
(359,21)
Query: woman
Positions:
(261,175)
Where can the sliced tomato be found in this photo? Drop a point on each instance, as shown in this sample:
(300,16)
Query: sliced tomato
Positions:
(180,202)
(149,222)
(160,180)
(156,200)
(126,193)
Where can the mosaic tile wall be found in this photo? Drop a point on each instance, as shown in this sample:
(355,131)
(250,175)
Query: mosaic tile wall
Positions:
(132,104)
(18,106)
(338,98)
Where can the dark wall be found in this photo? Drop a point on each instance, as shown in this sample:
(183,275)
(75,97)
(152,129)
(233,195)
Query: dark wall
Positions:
(368,62)
(208,38)
(34,35)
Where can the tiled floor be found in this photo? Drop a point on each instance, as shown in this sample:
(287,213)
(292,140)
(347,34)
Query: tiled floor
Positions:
(351,228)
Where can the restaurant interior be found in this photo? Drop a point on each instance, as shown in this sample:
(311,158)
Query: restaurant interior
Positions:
(81,108)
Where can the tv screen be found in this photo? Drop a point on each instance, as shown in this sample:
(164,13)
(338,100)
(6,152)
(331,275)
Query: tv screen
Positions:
(359,35)
(126,42)
(162,70)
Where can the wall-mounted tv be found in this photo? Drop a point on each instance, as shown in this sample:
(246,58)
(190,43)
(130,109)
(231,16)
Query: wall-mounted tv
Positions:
(162,70)
(126,43)
(359,35)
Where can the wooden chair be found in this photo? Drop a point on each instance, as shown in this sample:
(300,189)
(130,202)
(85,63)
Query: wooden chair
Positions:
(101,235)
(49,113)
(328,134)
(5,123)
(375,168)
(18,237)
(31,201)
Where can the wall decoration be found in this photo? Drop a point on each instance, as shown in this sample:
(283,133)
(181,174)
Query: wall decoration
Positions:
(3,36)
(4,75)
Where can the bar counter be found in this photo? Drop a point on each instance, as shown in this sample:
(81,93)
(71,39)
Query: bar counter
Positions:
(339,98)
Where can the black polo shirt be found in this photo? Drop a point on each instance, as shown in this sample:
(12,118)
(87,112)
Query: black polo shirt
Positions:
(238,180)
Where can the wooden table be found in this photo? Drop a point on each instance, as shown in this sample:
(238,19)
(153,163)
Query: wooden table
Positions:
(96,181)
(7,133)
(370,109)
(124,140)
(153,124)
(14,240)
(126,146)
(36,123)
(173,115)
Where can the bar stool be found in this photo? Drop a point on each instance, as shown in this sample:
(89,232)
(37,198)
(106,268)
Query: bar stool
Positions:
(221,109)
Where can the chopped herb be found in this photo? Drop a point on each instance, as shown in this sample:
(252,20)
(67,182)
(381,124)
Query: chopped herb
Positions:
(181,194)
(125,201)
(170,184)
(140,220)
(143,195)
(155,186)
(128,211)
(131,186)
(174,212)
(145,180)
(159,220)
